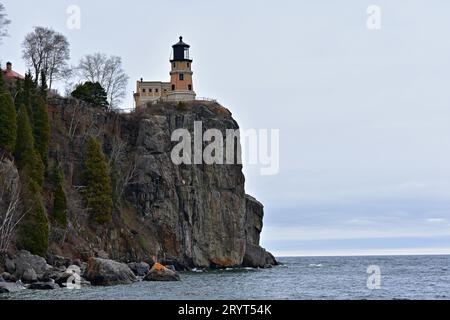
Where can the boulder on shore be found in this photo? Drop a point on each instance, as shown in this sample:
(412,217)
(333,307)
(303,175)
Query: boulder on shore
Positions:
(29,276)
(140,269)
(104,272)
(258,257)
(27,266)
(160,273)
(8,277)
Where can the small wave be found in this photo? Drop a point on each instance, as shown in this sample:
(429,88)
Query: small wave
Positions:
(315,265)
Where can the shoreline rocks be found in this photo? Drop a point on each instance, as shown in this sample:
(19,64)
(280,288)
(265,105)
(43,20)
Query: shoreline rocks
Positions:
(34,273)
(160,273)
(104,272)
(10,287)
(43,286)
(140,269)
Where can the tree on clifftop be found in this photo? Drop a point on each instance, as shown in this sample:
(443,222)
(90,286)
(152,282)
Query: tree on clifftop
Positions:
(2,83)
(98,192)
(8,124)
(92,93)
(108,72)
(46,50)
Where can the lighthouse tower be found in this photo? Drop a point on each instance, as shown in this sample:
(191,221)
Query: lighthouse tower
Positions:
(181,85)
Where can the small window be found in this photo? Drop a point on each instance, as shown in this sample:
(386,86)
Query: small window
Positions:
(173,87)
(188,64)
(190,87)
(143,90)
(181,76)
(156,90)
(150,90)
(174,64)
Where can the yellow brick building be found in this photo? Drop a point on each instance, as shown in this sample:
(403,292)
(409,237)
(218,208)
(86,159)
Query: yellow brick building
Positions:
(180,87)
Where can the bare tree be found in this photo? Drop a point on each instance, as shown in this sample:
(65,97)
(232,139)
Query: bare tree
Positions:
(124,163)
(11,210)
(4,22)
(106,71)
(46,50)
(55,64)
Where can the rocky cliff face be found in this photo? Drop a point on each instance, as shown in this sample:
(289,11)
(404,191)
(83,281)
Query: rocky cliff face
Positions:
(188,215)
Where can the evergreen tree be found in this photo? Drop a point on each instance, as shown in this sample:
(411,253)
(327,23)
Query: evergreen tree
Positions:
(18,100)
(44,88)
(34,231)
(2,82)
(41,128)
(98,192)
(8,122)
(27,159)
(60,199)
(92,93)
(25,90)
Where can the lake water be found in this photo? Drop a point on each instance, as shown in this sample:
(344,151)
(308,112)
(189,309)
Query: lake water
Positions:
(401,277)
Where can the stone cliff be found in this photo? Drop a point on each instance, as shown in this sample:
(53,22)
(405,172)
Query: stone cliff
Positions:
(185,215)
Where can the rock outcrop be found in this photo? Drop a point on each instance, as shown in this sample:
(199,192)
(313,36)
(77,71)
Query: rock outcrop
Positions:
(27,267)
(187,216)
(103,272)
(255,256)
(140,269)
(160,273)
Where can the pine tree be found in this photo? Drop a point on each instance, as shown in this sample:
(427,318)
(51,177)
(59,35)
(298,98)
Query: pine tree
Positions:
(27,159)
(34,231)
(92,93)
(41,128)
(19,98)
(98,192)
(25,90)
(8,122)
(60,199)
(44,88)
(2,83)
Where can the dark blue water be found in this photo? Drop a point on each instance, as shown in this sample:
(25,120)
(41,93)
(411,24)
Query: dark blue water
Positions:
(402,277)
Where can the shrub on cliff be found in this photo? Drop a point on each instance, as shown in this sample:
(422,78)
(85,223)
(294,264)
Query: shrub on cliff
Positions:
(8,122)
(33,235)
(92,93)
(41,127)
(98,192)
(27,159)
(59,213)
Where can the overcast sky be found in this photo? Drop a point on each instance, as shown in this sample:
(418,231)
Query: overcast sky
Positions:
(364,115)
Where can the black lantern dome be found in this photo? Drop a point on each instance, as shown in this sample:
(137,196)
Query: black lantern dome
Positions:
(181,51)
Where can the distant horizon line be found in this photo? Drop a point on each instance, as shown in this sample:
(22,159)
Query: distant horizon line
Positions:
(363,255)
(366,253)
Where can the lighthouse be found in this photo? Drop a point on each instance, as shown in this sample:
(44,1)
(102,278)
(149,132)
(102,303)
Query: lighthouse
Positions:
(181,85)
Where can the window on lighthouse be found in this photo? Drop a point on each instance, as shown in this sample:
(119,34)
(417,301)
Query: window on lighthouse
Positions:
(186,53)
(181,76)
